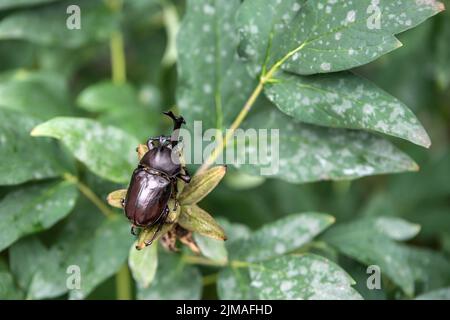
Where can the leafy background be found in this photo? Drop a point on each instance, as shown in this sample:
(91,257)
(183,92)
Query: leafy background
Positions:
(90,96)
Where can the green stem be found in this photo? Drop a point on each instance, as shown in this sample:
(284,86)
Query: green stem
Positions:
(171,24)
(123,283)
(207,262)
(230,132)
(265,78)
(119,76)
(210,279)
(118,62)
(202,261)
(88,193)
(118,66)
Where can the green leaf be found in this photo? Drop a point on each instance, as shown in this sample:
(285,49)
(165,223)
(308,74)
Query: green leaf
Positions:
(97,246)
(441,294)
(241,181)
(119,105)
(234,284)
(34,208)
(25,257)
(195,219)
(395,228)
(107,151)
(343,100)
(280,237)
(40,94)
(8,4)
(139,121)
(211,248)
(48,161)
(404,265)
(319,36)
(104,255)
(105,96)
(392,227)
(442,65)
(369,247)
(116,198)
(445,240)
(201,185)
(37,269)
(47,25)
(143,264)
(8,289)
(207,42)
(431,269)
(173,281)
(233,230)
(308,153)
(301,277)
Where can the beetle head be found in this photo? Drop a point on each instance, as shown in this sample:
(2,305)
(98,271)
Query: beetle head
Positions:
(159,142)
(160,156)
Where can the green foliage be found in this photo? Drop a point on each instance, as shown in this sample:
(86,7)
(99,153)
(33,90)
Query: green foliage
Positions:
(143,264)
(47,160)
(333,37)
(280,237)
(76,105)
(41,94)
(34,208)
(46,25)
(301,277)
(328,100)
(369,242)
(174,280)
(94,144)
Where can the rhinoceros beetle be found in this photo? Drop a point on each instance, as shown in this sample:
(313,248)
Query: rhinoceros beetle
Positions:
(154,182)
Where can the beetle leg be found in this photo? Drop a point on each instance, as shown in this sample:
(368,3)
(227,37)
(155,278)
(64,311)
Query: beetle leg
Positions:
(160,225)
(175,189)
(150,141)
(133,230)
(185,177)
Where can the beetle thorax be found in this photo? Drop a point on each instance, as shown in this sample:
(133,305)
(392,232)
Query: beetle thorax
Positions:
(160,158)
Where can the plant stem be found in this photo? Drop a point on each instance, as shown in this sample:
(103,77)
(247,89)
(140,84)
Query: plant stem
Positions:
(267,77)
(171,24)
(118,58)
(207,262)
(123,284)
(209,279)
(203,261)
(118,62)
(222,143)
(119,76)
(88,193)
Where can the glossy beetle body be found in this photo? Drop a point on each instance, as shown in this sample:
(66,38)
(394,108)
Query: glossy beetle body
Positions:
(154,182)
(147,197)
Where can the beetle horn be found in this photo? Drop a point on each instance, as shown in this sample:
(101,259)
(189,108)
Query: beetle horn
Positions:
(177,121)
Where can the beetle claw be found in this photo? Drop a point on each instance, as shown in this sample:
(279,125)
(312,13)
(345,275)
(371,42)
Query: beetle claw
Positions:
(133,230)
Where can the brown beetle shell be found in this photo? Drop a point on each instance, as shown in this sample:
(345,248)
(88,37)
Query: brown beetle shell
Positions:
(161,159)
(147,197)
